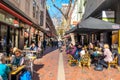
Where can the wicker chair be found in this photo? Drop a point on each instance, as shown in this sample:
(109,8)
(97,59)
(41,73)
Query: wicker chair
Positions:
(72,60)
(85,61)
(114,63)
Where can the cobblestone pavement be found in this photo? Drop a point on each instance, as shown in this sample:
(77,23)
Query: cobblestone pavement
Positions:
(46,68)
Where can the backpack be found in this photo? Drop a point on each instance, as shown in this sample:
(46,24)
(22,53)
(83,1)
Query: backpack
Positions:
(26,76)
(98,67)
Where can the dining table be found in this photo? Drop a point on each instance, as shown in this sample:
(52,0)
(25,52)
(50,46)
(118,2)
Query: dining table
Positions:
(15,72)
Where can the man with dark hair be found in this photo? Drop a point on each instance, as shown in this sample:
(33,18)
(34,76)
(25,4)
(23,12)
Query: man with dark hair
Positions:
(33,47)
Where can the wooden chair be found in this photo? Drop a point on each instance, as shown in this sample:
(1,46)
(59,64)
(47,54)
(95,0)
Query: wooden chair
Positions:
(72,60)
(114,63)
(85,61)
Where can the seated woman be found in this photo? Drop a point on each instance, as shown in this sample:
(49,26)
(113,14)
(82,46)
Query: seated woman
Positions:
(72,49)
(107,56)
(12,51)
(77,53)
(4,69)
(18,60)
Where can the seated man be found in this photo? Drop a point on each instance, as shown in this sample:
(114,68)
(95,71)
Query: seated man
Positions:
(18,60)
(33,47)
(4,69)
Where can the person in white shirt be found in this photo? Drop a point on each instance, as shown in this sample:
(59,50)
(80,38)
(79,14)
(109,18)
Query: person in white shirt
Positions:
(82,52)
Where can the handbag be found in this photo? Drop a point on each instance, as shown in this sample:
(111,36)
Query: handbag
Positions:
(99,67)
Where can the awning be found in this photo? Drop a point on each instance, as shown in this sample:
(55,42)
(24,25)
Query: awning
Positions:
(93,25)
(71,30)
(12,6)
(50,24)
(14,14)
(40,28)
(13,10)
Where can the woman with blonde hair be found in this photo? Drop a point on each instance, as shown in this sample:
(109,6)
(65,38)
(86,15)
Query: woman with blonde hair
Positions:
(107,56)
(107,53)
(18,60)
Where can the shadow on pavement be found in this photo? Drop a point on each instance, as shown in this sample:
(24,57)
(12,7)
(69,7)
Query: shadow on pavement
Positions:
(36,76)
(49,49)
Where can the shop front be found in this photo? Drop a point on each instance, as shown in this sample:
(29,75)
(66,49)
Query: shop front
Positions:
(111,9)
(12,27)
(8,31)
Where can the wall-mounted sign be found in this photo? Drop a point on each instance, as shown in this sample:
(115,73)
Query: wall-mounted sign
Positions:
(75,22)
(108,16)
(16,23)
(116,26)
(22,24)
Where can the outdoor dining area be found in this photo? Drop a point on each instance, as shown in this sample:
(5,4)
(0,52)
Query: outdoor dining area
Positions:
(18,64)
(97,32)
(88,56)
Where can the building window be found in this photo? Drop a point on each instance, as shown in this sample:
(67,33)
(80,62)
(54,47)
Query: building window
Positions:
(41,18)
(27,6)
(34,8)
(42,3)
(37,12)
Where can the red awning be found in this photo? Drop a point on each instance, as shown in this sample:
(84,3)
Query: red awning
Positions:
(3,7)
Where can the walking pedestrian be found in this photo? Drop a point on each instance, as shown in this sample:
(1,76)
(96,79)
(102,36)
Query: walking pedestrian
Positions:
(60,45)
(44,44)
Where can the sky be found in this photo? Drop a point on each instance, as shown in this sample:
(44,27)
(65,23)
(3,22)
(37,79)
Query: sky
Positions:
(52,10)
